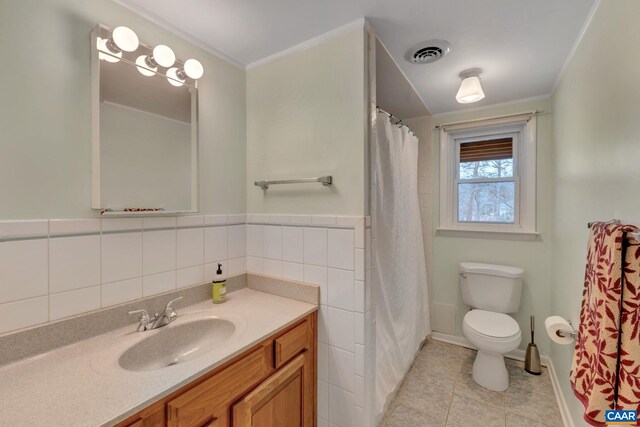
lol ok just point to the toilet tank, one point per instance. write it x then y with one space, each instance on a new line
491 287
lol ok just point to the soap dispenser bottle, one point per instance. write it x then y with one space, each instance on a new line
219 286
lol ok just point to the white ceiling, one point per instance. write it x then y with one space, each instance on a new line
521 45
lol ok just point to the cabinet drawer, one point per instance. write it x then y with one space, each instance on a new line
202 404
291 343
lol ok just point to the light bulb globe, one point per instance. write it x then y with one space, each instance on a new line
193 68
172 77
125 38
144 68
470 90
106 54
164 56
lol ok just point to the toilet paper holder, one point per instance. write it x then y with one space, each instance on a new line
565 334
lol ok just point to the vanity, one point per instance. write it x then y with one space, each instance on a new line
250 361
271 384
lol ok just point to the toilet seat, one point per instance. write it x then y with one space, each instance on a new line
492 326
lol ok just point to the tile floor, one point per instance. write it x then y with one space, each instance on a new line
439 391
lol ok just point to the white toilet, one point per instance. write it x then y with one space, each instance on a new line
491 291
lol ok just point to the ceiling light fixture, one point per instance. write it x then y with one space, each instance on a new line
470 89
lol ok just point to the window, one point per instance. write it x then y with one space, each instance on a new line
487 176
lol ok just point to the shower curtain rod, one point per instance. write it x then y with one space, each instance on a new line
399 122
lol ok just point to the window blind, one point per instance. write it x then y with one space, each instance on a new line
494 149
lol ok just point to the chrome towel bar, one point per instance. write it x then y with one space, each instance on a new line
324 180
634 235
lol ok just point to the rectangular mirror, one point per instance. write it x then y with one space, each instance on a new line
145 134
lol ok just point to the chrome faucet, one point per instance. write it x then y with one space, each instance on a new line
148 323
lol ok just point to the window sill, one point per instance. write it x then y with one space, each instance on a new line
488 234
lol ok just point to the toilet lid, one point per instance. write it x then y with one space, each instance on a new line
492 324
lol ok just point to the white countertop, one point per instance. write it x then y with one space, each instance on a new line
83 385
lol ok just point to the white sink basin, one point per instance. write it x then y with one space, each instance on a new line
176 343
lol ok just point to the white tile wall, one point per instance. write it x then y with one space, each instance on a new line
124 259
158 283
341 289
323 402
318 276
255 240
315 246
292 244
74 226
236 241
341 328
272 242
328 251
24 269
74 263
158 251
121 256
215 244
159 222
78 301
23 228
190 247
342 407
24 313
190 276
236 266
51 269
341 369
272 267
120 292
293 271
340 248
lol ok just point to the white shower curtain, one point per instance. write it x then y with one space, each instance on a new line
400 292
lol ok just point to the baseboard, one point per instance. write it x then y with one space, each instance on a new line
519 354
562 403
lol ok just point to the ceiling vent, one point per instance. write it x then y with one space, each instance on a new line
428 52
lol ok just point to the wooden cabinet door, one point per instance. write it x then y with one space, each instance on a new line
285 399
208 404
149 417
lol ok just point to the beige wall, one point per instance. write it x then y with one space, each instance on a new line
596 153
306 118
533 256
45 115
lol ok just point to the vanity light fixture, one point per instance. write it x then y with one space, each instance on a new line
122 39
104 53
192 68
162 55
173 78
470 89
144 67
